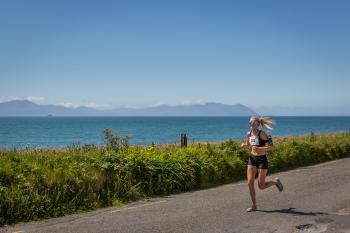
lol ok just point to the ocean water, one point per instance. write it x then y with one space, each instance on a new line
65 131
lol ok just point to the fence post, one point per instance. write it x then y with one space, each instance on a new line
183 140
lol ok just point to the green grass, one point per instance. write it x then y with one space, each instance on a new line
43 183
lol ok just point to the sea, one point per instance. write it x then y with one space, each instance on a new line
44 132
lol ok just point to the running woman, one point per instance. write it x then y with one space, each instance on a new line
257 161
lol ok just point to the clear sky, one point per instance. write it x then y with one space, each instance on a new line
140 53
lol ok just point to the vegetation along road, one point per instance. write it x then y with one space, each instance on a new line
315 199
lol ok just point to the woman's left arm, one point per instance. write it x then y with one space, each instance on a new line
266 138
267 148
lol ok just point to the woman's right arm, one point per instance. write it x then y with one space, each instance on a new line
246 143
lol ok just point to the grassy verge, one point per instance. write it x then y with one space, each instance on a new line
43 183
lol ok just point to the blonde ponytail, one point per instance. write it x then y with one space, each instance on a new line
264 122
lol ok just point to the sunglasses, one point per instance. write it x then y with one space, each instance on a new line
251 122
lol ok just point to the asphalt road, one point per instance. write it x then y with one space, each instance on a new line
315 199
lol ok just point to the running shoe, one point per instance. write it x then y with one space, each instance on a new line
251 209
279 184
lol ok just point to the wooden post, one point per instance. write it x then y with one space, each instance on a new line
183 140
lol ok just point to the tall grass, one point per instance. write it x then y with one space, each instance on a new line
42 183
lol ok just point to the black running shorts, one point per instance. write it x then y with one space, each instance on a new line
260 161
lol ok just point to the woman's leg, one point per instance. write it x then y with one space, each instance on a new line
261 180
251 170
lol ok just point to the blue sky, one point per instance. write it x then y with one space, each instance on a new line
144 53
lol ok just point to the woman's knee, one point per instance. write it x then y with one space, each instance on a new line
251 182
261 185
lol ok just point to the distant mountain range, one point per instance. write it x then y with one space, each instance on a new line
303 111
28 108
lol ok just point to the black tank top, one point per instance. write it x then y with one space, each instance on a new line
261 141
